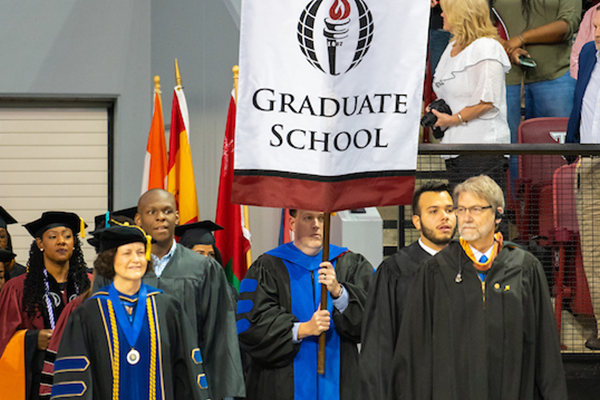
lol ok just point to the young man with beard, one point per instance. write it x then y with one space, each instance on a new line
200 285
279 318
479 322
433 216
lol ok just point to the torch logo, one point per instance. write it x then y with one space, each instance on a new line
341 35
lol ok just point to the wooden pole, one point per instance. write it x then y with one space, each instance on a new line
236 77
322 337
177 74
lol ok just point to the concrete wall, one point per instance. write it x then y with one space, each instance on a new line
204 38
112 49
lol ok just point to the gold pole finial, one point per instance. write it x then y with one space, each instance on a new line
177 74
157 84
236 77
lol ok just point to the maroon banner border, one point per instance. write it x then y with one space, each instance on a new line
304 194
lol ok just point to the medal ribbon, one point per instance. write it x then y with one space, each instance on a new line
131 331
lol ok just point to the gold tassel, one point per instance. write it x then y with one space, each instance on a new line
82 227
148 237
148 246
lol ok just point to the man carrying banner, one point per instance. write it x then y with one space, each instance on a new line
279 318
433 216
479 322
200 285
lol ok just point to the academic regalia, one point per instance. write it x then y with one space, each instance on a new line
280 289
382 318
13 319
197 233
458 341
202 233
50 356
16 269
200 285
163 362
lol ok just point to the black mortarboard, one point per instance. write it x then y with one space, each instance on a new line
6 256
6 218
51 219
197 233
119 235
103 220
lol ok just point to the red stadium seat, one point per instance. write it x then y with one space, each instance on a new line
570 283
535 173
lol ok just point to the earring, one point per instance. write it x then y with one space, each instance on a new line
42 250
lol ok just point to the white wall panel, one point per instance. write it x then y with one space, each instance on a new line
52 159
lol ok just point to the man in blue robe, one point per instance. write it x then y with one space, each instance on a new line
279 318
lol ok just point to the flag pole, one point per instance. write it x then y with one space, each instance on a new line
236 78
322 337
177 74
157 85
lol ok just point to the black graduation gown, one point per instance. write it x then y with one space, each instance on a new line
268 339
200 285
84 368
383 316
458 341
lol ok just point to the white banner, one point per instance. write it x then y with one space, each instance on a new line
330 88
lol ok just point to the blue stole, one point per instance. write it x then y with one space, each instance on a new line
306 296
133 381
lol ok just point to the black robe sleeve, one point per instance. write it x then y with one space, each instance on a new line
265 331
383 315
187 367
215 309
354 272
76 383
415 342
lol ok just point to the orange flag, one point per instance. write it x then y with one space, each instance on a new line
155 163
180 181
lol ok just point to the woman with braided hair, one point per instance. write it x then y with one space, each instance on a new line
129 340
32 303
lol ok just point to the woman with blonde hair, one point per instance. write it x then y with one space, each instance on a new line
470 79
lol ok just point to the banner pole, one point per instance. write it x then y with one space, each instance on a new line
322 337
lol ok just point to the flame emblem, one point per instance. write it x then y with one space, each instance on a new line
339 10
335 39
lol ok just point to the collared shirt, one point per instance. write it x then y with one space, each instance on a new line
427 248
161 263
479 254
589 131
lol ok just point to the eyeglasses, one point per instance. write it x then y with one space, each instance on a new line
475 210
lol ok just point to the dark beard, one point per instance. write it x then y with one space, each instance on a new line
429 235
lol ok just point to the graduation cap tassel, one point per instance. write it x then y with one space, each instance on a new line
148 247
82 227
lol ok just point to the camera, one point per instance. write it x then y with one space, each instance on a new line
429 119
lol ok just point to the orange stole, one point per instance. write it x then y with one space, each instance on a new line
12 368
